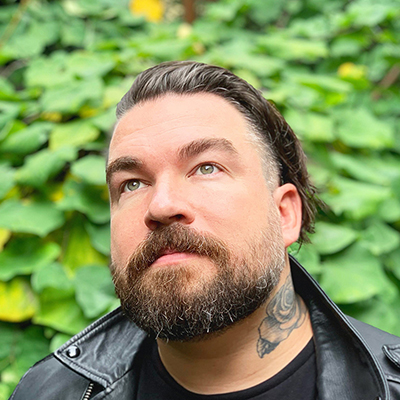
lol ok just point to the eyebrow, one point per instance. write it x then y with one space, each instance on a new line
199 146
192 149
126 163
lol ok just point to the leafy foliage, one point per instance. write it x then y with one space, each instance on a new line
331 67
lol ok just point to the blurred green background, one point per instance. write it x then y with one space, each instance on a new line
331 67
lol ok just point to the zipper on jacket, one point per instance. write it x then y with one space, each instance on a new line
88 392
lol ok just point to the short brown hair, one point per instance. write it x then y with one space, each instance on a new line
280 142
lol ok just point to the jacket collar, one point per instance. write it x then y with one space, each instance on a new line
347 369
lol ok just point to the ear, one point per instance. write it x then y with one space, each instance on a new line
288 202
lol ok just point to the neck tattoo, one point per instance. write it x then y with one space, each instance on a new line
285 312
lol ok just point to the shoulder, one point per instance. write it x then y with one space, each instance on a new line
385 347
83 363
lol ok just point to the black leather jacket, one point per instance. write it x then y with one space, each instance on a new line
354 361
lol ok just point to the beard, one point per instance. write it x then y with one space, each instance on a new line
180 303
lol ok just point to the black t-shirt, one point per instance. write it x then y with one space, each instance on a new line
297 381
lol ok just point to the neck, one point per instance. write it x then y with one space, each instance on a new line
246 354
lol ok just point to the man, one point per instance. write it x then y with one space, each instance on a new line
208 187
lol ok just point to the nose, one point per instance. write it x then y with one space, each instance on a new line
169 203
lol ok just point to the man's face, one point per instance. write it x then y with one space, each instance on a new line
182 170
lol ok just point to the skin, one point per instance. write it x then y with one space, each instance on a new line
175 187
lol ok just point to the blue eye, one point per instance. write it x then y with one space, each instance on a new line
132 185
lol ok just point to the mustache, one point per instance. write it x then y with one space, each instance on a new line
177 238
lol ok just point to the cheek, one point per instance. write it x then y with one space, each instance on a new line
126 234
236 212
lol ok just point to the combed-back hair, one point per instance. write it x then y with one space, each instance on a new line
282 149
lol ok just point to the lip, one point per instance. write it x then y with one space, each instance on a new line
172 258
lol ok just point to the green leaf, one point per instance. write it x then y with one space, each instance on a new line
17 301
94 290
91 169
8 334
392 262
73 33
380 238
355 199
26 140
38 218
307 257
72 134
381 171
7 179
369 13
353 275
389 210
26 255
28 347
91 201
330 238
99 237
378 313
58 340
49 71
63 314
287 48
9 111
358 128
41 166
78 248
51 275
322 83
70 98
258 8
311 126
86 65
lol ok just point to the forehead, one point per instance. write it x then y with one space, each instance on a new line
176 119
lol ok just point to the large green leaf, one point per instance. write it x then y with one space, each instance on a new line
31 42
63 314
17 301
359 128
49 71
368 12
99 237
91 169
293 49
25 255
40 166
58 340
38 218
382 170
86 65
355 199
78 250
9 111
392 262
353 275
307 256
51 275
330 238
7 179
378 313
26 140
380 238
91 201
70 98
94 290
72 134
26 348
311 126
